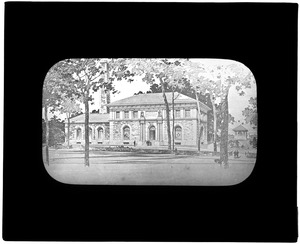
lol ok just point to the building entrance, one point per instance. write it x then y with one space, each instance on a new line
152 133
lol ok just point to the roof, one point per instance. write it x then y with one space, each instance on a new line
93 118
239 128
157 99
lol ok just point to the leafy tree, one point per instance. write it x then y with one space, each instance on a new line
152 70
89 75
196 75
138 93
188 90
216 80
56 131
223 78
51 97
69 106
250 112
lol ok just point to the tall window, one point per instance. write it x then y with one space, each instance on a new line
187 113
177 114
90 133
135 114
78 134
100 133
152 133
178 133
117 114
126 133
126 114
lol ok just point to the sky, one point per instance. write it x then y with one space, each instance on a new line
236 102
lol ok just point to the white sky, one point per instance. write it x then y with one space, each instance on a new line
236 103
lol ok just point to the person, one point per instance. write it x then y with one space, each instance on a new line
236 154
134 143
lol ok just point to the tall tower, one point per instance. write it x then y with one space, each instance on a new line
101 98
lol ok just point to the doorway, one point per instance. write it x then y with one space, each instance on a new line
152 133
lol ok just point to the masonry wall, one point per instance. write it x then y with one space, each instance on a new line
189 132
95 137
116 130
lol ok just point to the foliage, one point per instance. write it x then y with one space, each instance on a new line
56 131
165 71
250 112
216 80
69 106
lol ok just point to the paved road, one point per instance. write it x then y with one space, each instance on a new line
119 168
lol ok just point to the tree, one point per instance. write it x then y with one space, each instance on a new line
51 98
216 80
69 107
196 75
250 112
224 77
188 90
152 70
87 75
90 75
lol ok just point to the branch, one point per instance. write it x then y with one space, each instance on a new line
96 76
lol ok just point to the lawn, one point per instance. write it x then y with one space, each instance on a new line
121 168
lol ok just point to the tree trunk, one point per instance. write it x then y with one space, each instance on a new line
47 133
167 112
215 123
86 130
68 132
224 132
199 121
173 129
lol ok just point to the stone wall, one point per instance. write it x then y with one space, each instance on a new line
189 132
94 136
117 130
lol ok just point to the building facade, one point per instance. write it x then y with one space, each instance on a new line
142 120
98 129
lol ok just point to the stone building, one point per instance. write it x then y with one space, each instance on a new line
142 118
98 129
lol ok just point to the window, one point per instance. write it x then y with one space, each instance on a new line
90 133
78 134
117 114
135 114
177 114
126 114
100 133
152 133
178 133
187 113
126 133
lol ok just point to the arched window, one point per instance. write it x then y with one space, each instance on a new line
100 133
152 132
178 133
126 133
78 134
90 133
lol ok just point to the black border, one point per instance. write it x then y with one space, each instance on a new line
261 36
